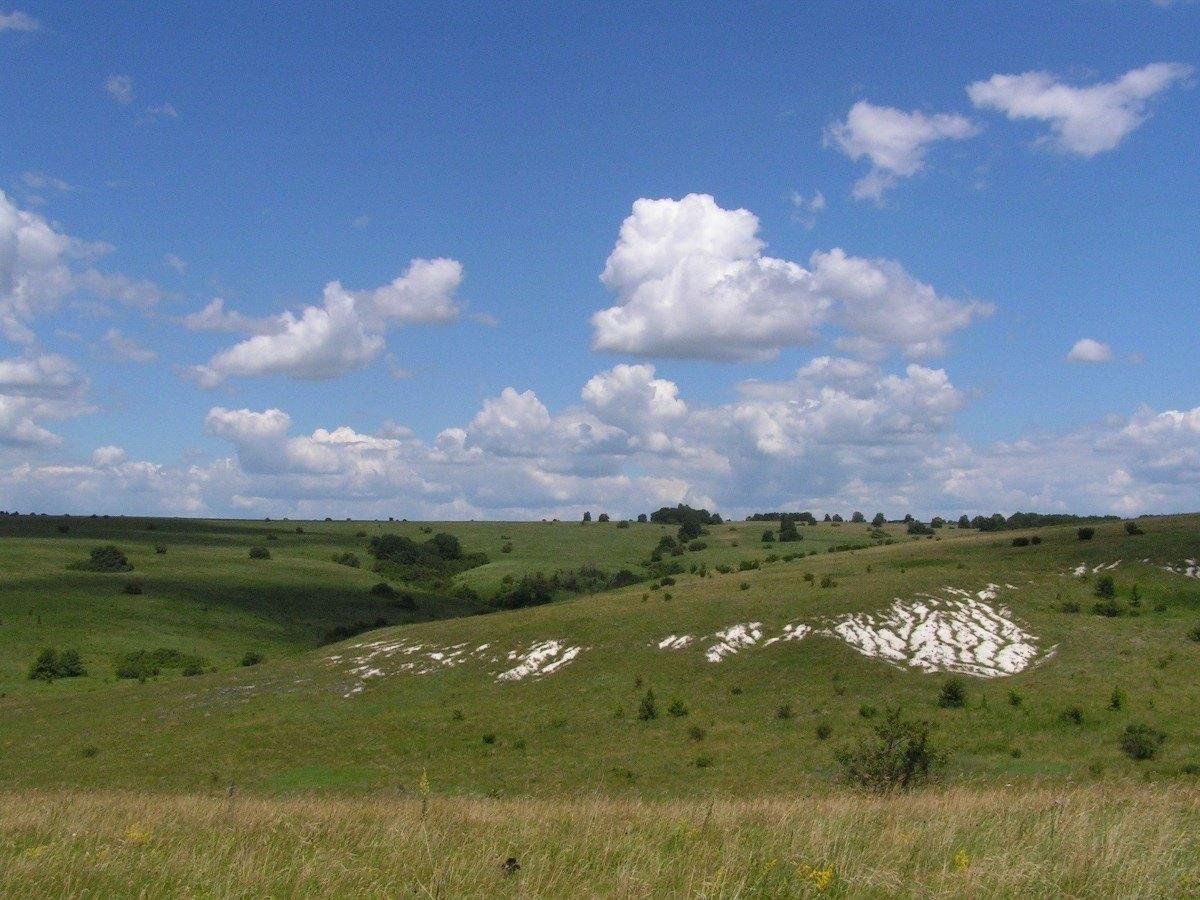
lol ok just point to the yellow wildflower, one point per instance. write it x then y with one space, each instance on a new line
962 861
821 878
135 834
36 852
424 785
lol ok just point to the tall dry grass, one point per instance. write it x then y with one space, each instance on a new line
1104 841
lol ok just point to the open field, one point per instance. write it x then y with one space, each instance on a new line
526 724
1112 840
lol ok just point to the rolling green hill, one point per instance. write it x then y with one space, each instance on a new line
546 700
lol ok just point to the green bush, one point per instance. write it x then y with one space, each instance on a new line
1086 534
49 665
1194 633
647 708
953 694
108 558
252 658
1072 715
896 755
1141 741
260 553
132 586
784 711
1106 588
823 731
144 664
1070 606
347 559
1109 608
677 709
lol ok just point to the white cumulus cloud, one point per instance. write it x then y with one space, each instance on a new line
692 282
1083 120
895 142
344 333
1087 350
18 21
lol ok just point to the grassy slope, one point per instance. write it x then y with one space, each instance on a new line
285 725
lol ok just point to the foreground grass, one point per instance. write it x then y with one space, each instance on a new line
1118 839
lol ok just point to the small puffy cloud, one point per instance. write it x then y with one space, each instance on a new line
895 142
18 21
805 209
38 268
345 333
214 317
1083 120
163 111
120 88
126 349
103 457
692 282
1087 350
631 398
35 389
880 305
34 275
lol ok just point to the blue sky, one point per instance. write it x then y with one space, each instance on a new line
923 210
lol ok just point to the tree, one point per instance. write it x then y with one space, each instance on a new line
587 516
879 521
603 517
788 531
857 518
837 517
937 522
827 518
768 536
963 521
642 518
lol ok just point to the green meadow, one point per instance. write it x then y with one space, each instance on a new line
307 733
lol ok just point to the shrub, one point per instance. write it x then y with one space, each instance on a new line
1086 534
143 664
1036 539
703 761
744 586
506 547
1194 633
260 553
784 711
109 558
953 694
50 665
624 523
1109 608
603 517
896 755
347 559
1072 715
1014 698
747 565
1070 606
647 708
696 733
489 737
677 709
823 731
1117 699
697 546
1141 741
132 586
1132 528
252 658
1106 588
160 549
1020 542
866 711
827 581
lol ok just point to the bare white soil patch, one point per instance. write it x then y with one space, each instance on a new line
1188 568
376 659
539 659
938 634
732 639
958 632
